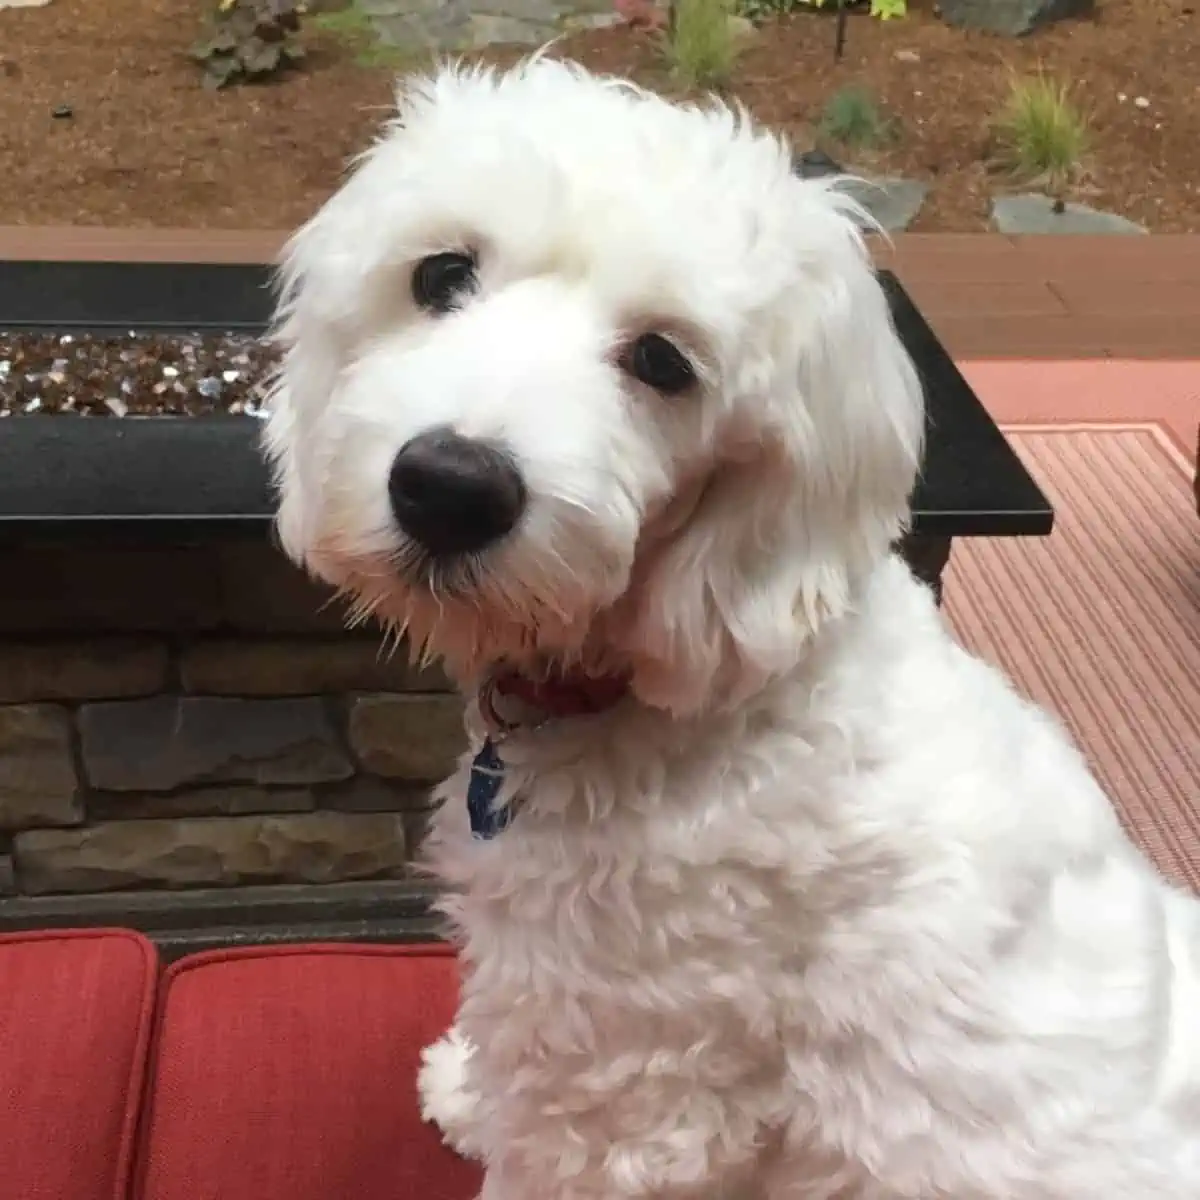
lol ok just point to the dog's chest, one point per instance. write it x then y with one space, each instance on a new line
613 860
620 890
651 901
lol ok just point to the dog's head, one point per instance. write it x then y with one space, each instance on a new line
576 376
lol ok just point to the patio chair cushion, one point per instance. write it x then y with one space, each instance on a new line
289 1074
76 1009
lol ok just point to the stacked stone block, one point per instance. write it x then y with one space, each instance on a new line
193 716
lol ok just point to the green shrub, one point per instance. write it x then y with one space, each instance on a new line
250 40
851 118
702 43
1041 136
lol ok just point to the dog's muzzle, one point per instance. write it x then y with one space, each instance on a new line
454 495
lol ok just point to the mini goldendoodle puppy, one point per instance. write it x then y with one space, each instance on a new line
764 888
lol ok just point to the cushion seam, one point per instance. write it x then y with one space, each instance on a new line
138 1073
208 958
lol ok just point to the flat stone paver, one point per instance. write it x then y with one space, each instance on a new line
893 202
1034 213
455 25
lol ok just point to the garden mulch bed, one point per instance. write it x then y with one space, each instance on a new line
147 145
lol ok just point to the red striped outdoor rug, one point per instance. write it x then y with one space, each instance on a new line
1101 621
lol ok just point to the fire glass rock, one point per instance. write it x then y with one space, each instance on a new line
133 375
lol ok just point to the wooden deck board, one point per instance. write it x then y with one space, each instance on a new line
987 295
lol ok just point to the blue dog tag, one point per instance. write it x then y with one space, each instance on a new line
487 777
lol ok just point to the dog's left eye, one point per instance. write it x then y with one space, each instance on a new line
659 364
440 281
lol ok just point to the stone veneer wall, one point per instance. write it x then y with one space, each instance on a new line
193 716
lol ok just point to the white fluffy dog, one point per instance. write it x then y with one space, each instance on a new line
764 888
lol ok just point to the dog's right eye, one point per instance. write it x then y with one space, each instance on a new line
659 364
440 281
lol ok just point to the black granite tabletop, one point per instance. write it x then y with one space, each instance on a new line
65 471
972 482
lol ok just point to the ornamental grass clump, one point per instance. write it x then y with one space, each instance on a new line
1040 134
702 43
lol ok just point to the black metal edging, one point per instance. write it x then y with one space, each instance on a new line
150 297
185 475
962 444
210 918
173 474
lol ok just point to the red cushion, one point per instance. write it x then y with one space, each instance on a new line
75 1016
290 1074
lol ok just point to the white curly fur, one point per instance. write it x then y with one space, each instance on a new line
823 910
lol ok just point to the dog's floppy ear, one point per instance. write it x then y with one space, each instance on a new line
786 533
303 382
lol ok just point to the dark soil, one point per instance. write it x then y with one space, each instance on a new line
943 87
147 145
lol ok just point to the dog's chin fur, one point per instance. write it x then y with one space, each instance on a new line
823 910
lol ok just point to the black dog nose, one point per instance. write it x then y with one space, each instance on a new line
454 495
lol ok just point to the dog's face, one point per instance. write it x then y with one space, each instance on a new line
576 376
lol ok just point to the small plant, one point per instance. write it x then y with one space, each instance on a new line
702 43
1041 136
885 10
851 118
758 10
250 40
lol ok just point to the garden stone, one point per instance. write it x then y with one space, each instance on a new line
1032 213
582 22
815 164
231 800
418 24
894 203
496 29
1012 18
165 742
77 669
315 848
296 667
37 774
473 24
525 11
413 737
369 794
